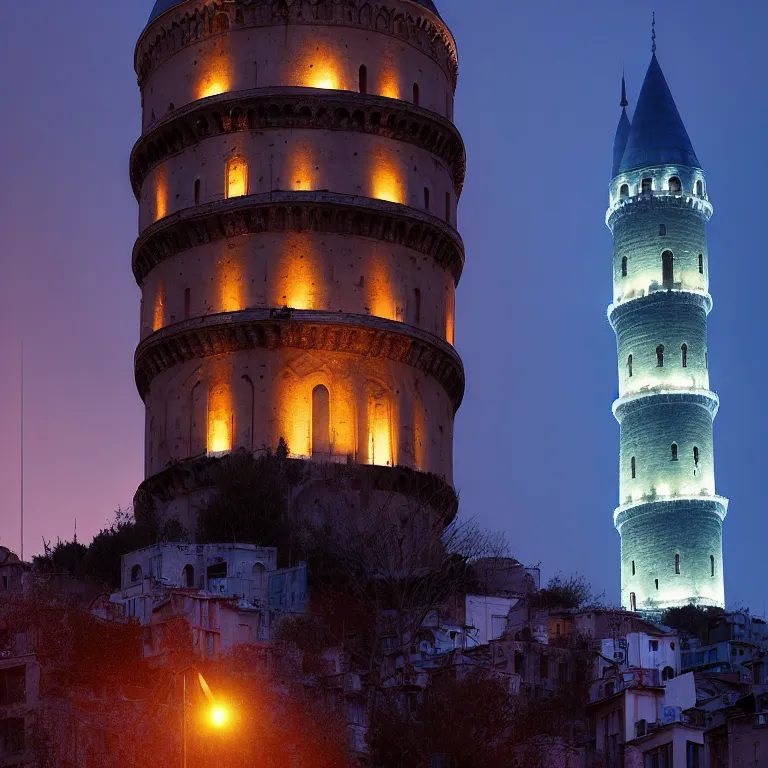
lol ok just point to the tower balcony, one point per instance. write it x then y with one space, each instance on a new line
665 495
665 393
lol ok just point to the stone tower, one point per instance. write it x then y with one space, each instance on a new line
669 516
298 176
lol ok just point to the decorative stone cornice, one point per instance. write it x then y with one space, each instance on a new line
298 212
716 506
275 108
363 335
651 398
190 23
662 296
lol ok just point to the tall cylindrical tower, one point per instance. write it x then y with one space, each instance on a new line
298 177
669 518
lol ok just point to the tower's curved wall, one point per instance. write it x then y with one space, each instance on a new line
298 178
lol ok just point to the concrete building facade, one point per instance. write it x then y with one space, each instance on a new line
298 177
669 516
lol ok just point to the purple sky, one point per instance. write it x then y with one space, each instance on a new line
536 445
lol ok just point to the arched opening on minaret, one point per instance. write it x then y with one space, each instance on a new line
695 459
624 191
674 451
417 304
667 269
426 198
656 582
700 188
634 476
624 266
675 186
416 94
677 564
684 355
629 366
660 356
646 185
197 191
363 79
633 567
237 177
712 565
632 601
321 421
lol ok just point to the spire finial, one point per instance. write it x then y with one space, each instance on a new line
653 34
624 101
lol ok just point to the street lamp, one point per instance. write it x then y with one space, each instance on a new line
218 715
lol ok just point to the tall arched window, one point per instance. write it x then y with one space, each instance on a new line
188 577
363 79
136 573
257 574
379 427
674 185
321 421
416 94
667 269
699 188
677 564
674 451
237 177
634 467
624 191
624 266
684 355
660 356
662 230
701 263
426 198
629 366
632 601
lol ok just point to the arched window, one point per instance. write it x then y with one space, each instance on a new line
633 567
426 198
675 186
629 366
624 191
684 355
646 185
237 177
257 573
701 263
624 266
667 269
197 191
220 22
677 564
321 421
632 601
363 79
136 573
674 451
188 576
660 356
379 427
667 674
700 188
417 304
711 565
695 456
634 468
662 230
416 94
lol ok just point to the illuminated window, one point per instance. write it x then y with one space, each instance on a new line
220 23
695 456
220 420
416 94
667 269
321 421
426 199
684 355
188 576
448 207
634 472
711 565
660 356
187 302
363 79
237 177
675 186
674 451
633 567
662 230
677 564
379 428
624 191
632 601
646 185
624 266
701 263
699 188
417 304
136 573
197 191
629 366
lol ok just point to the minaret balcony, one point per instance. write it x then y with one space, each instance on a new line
663 496
642 288
622 206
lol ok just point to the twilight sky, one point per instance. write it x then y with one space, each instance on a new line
536 445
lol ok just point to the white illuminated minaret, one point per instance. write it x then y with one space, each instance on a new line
669 516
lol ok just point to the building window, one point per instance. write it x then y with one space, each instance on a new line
188 577
448 207
197 191
700 188
695 456
701 263
416 94
363 79
667 269
624 266
694 755
706 361
633 463
653 645
417 304
136 573
187 302
237 177
632 601
660 356
624 191
677 564
656 581
519 661
321 421
662 230
711 565
257 573
674 451
684 355
633 567
646 185
426 198
675 186
629 366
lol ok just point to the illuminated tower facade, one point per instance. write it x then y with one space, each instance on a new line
670 518
298 176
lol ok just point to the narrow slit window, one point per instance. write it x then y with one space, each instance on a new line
187 302
426 198
667 269
197 191
656 582
633 568
448 207
417 304
255 74
701 263
632 601
634 472
660 356
662 230
695 456
416 94
629 366
624 266
363 79
677 564
674 451
684 355
711 565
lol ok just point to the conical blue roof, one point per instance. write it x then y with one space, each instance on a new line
161 6
657 135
